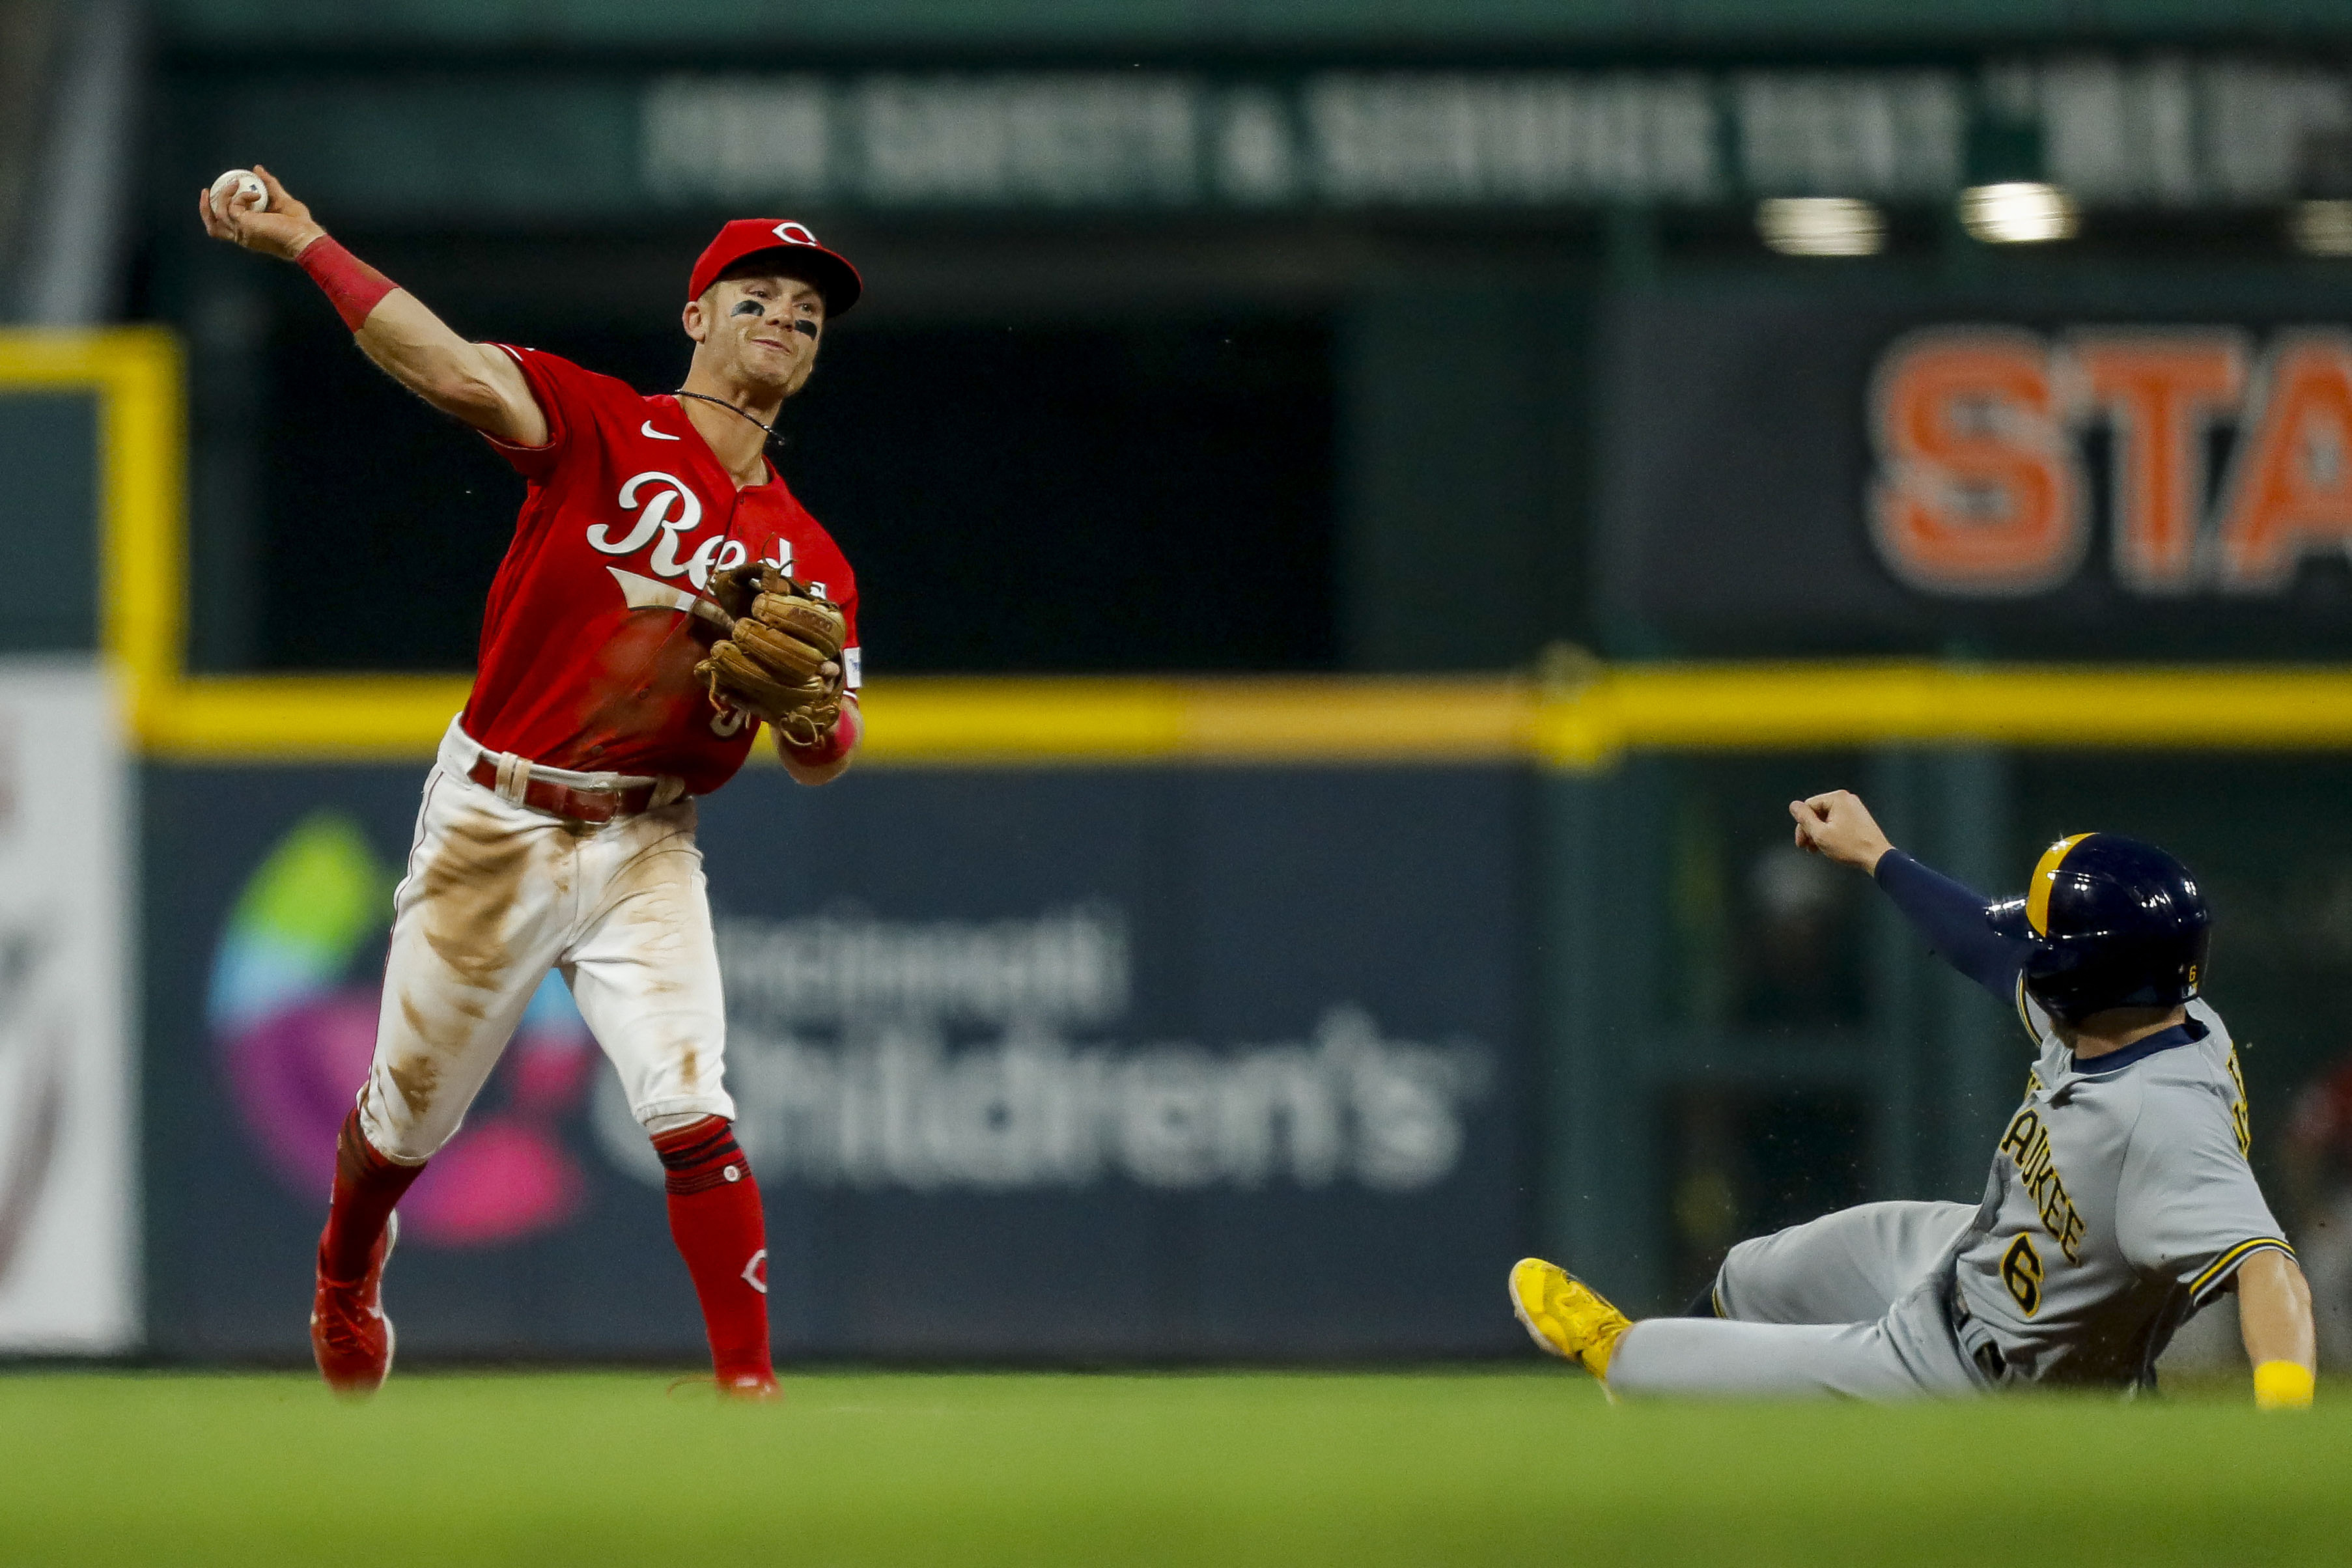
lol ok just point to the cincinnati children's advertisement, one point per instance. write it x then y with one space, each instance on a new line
1001 1057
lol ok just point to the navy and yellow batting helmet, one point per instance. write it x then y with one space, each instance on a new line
2114 922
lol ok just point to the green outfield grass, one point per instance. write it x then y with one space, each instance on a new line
1522 1467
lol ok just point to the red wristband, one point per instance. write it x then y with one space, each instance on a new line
353 286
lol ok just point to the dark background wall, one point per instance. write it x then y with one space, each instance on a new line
48 450
1049 492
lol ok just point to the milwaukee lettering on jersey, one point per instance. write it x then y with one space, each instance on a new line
2027 1144
597 616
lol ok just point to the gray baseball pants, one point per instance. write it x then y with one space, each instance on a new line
1854 1304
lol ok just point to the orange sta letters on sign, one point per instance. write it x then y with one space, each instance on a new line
2163 390
1977 493
2292 492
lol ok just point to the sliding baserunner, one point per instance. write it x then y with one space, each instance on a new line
2120 1200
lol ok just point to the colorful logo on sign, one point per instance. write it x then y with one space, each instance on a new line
292 1009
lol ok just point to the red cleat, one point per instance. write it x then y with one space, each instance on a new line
349 1335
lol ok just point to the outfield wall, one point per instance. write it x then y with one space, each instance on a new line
1136 1061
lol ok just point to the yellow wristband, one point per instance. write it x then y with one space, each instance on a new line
2282 1385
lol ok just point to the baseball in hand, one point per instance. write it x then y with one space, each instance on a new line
240 183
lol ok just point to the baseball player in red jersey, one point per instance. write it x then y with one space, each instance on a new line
558 823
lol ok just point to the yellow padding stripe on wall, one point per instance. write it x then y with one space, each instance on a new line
1834 703
944 722
294 719
1336 719
135 374
915 722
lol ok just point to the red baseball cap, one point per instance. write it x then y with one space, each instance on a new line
798 255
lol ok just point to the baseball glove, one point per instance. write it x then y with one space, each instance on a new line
771 663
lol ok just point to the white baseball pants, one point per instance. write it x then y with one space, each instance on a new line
496 894
1855 1304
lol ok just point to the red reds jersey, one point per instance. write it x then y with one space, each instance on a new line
591 633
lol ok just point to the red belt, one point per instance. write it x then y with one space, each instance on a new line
562 800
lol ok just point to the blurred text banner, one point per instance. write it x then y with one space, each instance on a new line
2180 130
2171 131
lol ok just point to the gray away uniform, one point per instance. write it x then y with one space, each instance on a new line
2120 1202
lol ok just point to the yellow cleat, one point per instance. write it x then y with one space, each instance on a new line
1565 1315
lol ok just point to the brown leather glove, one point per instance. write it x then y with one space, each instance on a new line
771 662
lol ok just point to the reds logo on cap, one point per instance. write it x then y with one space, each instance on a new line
798 255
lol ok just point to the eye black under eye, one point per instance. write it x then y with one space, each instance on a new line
749 308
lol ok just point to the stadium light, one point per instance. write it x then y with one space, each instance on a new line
2322 227
2016 212
1820 225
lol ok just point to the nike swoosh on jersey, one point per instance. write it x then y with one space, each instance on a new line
647 429
646 594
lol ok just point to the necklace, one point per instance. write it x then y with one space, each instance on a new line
722 403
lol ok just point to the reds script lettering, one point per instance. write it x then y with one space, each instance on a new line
670 511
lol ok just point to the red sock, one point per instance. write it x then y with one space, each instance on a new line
714 1217
367 1185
